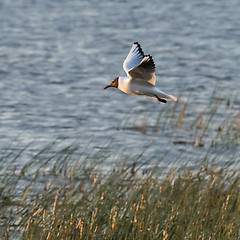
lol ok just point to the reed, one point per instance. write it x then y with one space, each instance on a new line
85 202
65 194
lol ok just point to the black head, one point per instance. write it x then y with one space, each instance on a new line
113 83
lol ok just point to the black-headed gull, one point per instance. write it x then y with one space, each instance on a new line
140 70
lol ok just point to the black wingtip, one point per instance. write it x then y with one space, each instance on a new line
148 63
151 59
139 49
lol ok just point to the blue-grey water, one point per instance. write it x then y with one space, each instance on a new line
57 56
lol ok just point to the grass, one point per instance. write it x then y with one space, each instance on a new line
64 194
85 202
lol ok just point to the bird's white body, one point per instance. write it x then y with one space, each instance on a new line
140 80
141 87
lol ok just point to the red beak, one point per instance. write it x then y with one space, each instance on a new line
107 87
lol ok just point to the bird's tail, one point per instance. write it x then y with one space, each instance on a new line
161 94
172 97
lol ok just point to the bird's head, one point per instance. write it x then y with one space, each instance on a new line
113 83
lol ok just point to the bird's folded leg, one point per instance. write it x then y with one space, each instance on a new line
160 99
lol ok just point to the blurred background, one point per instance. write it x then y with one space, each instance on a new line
57 56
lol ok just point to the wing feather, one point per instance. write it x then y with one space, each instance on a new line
134 57
144 71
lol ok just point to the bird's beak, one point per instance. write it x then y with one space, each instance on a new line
107 87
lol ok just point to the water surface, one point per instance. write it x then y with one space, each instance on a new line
56 57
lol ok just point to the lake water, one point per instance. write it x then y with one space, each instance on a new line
57 56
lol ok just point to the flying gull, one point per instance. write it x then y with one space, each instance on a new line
140 78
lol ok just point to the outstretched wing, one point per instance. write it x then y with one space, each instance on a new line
139 66
145 71
134 57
